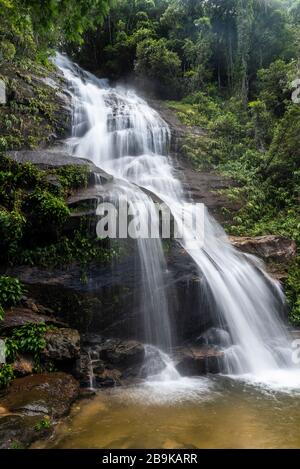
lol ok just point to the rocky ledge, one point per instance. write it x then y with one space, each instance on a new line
31 406
276 251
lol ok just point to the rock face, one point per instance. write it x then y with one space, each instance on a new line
20 316
61 344
31 400
107 303
202 187
38 103
270 247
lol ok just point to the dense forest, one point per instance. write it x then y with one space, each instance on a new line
228 66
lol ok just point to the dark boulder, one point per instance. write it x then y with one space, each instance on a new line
61 344
108 378
196 361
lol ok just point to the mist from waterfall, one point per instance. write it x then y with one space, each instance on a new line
123 135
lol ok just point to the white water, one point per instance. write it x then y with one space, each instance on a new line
120 133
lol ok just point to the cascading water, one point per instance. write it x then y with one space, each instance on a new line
120 133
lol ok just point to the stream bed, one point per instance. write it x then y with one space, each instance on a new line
209 412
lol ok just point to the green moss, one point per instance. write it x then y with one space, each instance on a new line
33 114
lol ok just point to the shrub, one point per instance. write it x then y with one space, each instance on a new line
11 291
6 375
7 50
43 424
11 232
46 209
293 291
72 176
80 249
26 339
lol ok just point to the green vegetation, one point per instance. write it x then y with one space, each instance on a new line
81 249
43 424
11 291
32 220
6 375
26 339
28 28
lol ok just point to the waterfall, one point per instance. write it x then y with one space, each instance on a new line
122 134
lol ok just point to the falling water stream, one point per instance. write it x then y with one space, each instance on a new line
124 136
255 404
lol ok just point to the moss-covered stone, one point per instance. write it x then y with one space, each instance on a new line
37 111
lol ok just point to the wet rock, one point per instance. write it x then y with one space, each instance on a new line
61 344
215 336
83 371
100 357
196 361
270 247
104 303
127 356
23 365
19 431
55 158
107 303
44 394
86 393
108 378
